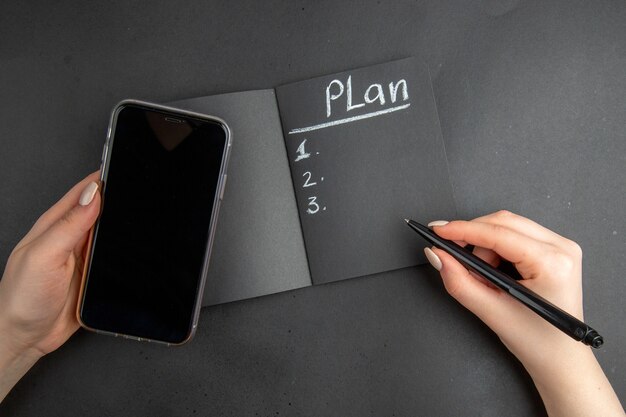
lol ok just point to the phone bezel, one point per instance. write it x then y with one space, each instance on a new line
104 169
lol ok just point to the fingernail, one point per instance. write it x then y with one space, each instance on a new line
433 259
438 223
88 194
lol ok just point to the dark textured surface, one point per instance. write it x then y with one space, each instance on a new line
531 103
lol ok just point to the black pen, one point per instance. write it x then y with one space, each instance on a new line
567 323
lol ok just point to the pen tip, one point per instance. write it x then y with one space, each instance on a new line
406 220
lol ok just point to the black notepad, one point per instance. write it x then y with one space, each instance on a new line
322 174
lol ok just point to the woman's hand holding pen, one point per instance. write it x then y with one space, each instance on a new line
566 373
549 264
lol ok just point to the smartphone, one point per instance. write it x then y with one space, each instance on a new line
163 174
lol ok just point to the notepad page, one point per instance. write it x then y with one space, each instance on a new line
258 247
365 152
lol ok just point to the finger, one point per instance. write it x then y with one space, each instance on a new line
54 213
521 225
80 245
487 255
80 248
509 244
66 323
477 297
61 238
69 310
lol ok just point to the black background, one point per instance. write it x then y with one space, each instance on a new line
530 97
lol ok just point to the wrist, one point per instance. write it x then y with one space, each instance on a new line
15 360
564 363
9 340
571 383
11 358
11 354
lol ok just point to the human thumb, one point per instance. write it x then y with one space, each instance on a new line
63 236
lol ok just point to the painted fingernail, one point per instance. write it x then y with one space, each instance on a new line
433 259
88 194
438 223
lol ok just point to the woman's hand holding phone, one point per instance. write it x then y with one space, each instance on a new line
39 288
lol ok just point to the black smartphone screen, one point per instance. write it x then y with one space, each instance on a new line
150 242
